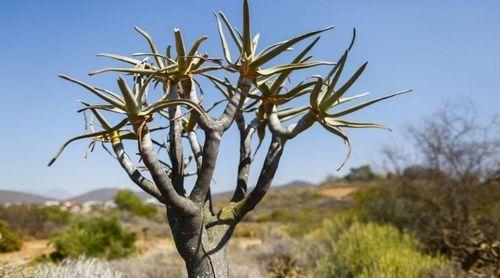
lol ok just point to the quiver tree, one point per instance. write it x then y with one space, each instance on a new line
258 103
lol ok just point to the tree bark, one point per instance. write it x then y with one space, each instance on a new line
204 249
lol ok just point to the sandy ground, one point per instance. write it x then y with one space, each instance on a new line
33 248
30 250
337 193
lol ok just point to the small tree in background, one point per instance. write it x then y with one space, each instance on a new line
362 173
260 102
447 192
128 201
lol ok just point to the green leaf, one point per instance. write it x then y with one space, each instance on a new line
168 54
104 123
225 47
347 99
264 79
255 42
353 39
219 84
143 87
289 113
194 49
298 90
232 31
121 58
349 124
133 70
265 90
108 108
109 93
365 104
271 47
150 54
156 107
313 101
282 68
95 91
342 90
251 105
130 100
151 45
337 70
284 46
181 50
89 135
337 131
247 36
284 75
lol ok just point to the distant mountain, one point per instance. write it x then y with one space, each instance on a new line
292 184
104 194
295 184
7 196
107 194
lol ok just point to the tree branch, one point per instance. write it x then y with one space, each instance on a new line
266 177
134 174
246 133
210 152
160 177
213 135
235 103
176 151
195 148
289 132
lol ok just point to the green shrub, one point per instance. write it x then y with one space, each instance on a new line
127 200
9 241
363 173
462 226
35 221
94 237
371 250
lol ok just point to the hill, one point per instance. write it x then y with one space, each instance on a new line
107 194
104 194
7 196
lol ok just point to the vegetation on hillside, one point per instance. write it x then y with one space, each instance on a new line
31 221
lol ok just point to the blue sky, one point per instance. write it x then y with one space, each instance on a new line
441 49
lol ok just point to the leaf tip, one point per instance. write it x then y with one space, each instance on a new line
51 162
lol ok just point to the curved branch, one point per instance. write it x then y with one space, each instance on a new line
175 150
213 135
134 174
235 103
265 179
246 134
289 132
205 174
160 177
195 148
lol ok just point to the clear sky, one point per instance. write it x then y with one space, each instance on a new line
441 49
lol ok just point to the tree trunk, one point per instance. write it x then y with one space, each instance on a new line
204 250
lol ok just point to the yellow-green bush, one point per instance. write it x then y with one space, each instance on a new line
372 250
94 237
9 241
